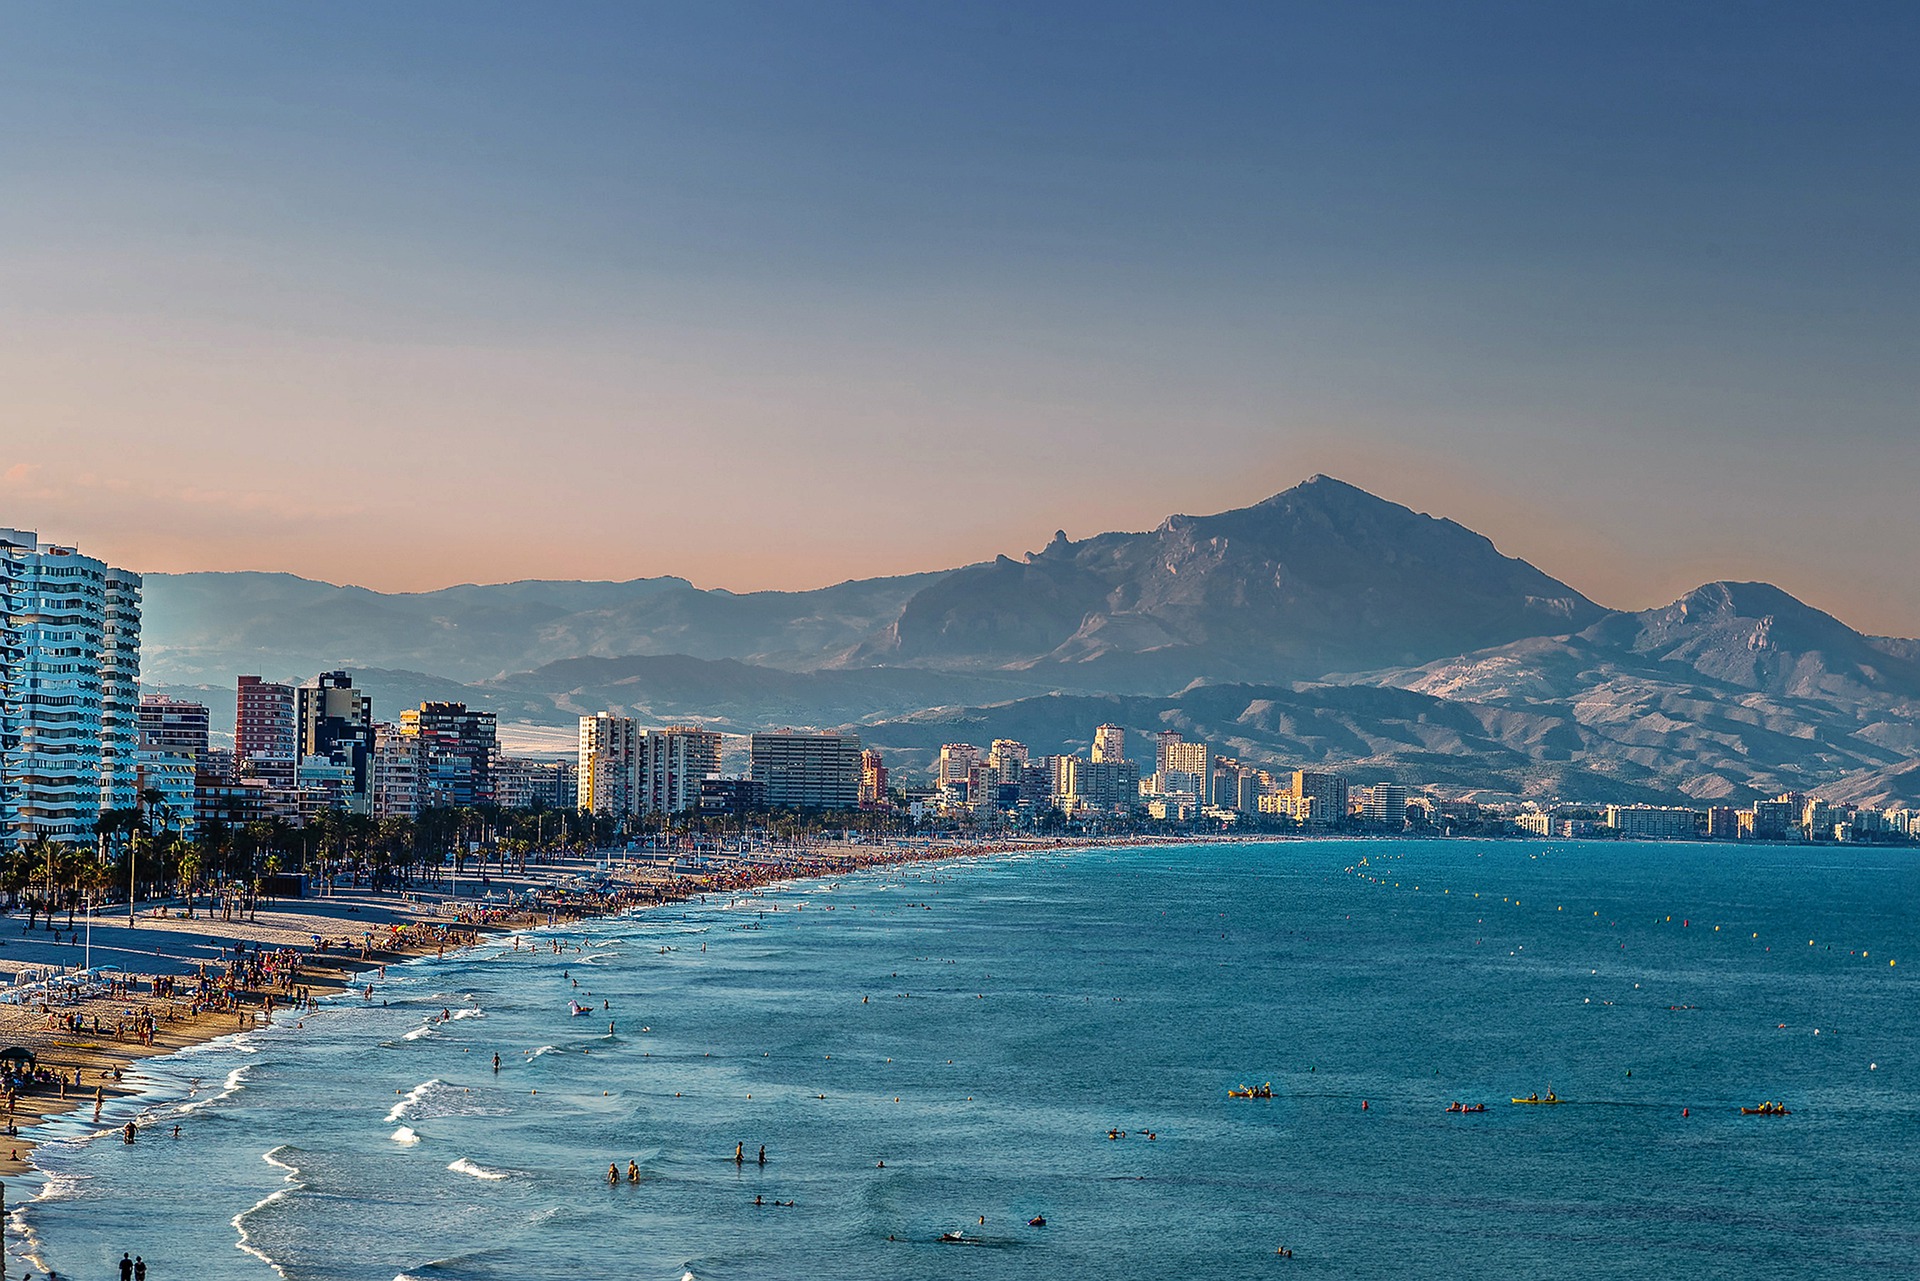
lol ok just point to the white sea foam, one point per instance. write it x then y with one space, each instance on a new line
411 1099
545 1049
239 1221
474 1013
405 1135
235 1082
464 1166
425 1029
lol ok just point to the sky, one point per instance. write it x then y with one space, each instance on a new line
776 295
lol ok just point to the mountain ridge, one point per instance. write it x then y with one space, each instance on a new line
1731 690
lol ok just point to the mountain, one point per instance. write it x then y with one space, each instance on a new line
211 627
1321 578
1735 690
1324 577
1321 626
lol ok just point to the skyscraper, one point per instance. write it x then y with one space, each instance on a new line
266 741
174 725
807 771
873 779
609 764
119 690
457 749
1109 744
334 724
677 760
54 648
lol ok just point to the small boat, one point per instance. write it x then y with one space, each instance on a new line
576 1009
1534 1100
1464 1108
1767 1109
1252 1092
952 1238
1037 1221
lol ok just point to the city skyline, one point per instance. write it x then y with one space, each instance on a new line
1629 289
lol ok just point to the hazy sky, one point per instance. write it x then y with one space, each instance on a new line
776 295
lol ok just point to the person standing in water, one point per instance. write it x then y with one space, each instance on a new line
763 1154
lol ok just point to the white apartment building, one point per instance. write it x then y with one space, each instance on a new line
58 760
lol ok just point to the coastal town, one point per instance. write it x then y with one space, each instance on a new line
106 792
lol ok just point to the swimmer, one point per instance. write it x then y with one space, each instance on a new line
613 1173
740 1154
763 1154
496 1062
633 1172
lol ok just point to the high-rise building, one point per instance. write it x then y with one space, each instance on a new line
956 763
1652 822
1323 796
677 760
174 725
1105 787
609 764
1006 758
396 772
457 747
334 724
807 771
514 782
58 757
1109 744
119 691
1385 803
873 779
554 784
266 742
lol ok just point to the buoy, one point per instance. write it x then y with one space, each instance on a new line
1686 1111
1363 1105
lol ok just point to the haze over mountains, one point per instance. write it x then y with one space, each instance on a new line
1322 626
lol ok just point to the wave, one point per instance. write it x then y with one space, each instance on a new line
411 1100
425 1029
405 1135
545 1049
474 1013
464 1166
235 1082
239 1221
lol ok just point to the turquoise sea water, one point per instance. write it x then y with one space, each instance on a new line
1018 1009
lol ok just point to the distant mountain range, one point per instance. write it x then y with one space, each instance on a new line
1322 626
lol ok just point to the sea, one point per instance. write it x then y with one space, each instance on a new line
939 1057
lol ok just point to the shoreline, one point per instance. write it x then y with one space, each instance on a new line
107 1060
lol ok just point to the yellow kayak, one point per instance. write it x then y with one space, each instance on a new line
1540 1102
